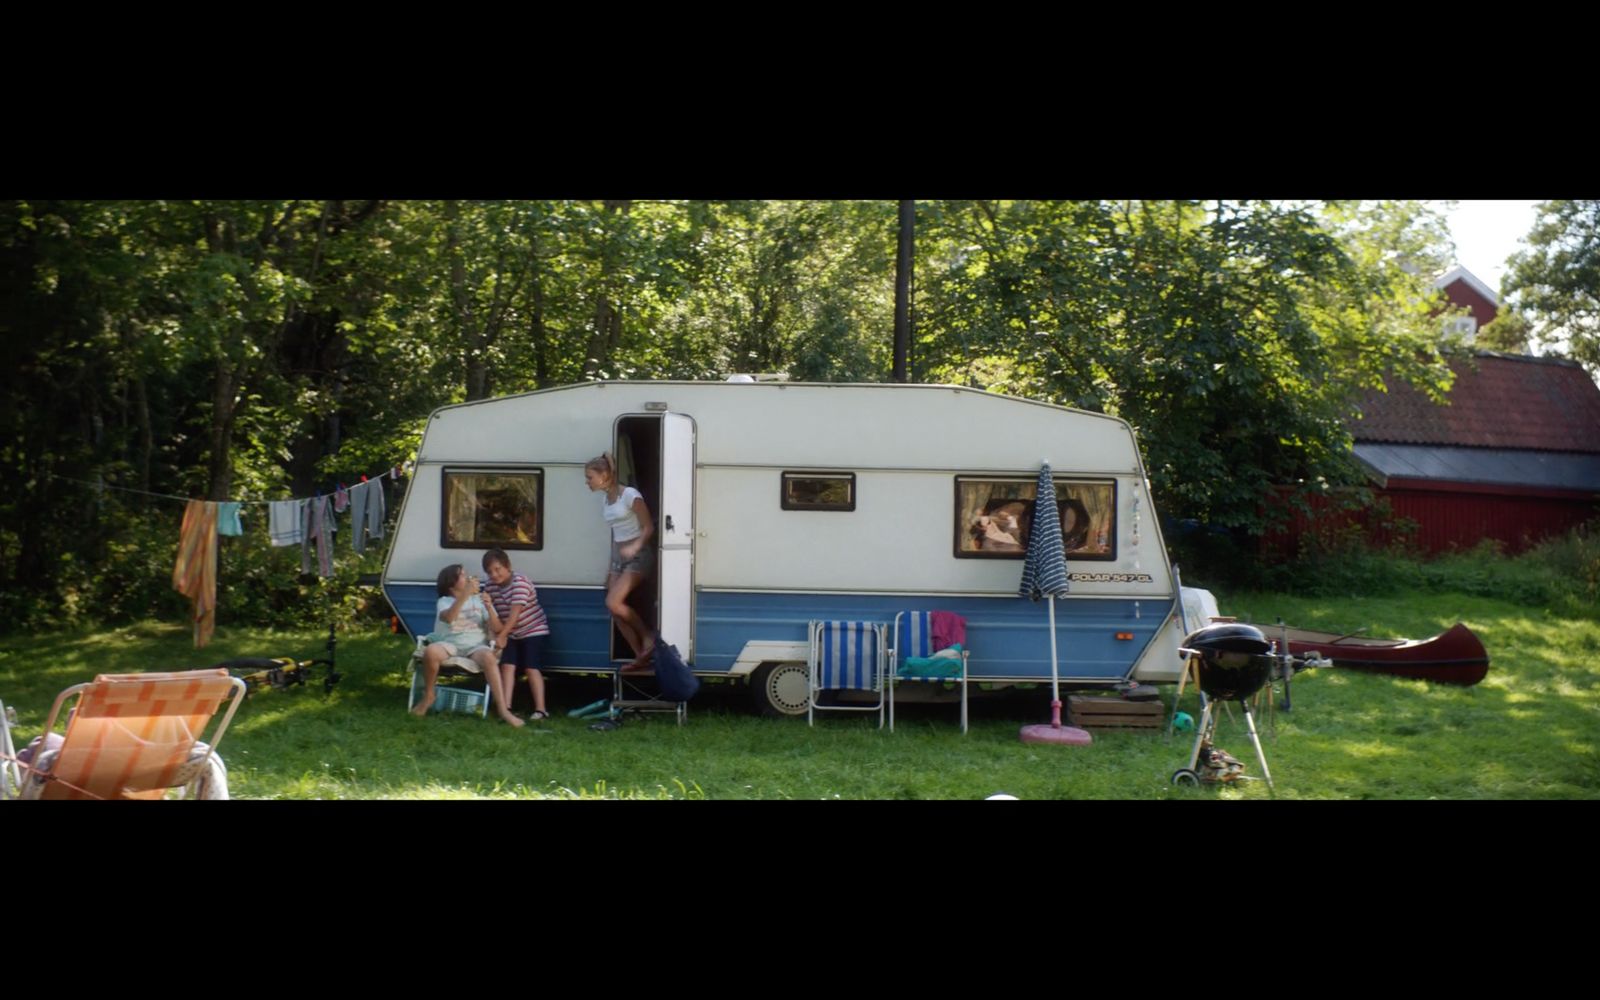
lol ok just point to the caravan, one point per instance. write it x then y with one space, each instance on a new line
781 503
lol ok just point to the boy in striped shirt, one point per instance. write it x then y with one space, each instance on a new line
524 629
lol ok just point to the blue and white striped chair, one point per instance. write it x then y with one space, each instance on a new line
913 636
846 656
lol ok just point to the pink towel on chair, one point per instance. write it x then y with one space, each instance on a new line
948 629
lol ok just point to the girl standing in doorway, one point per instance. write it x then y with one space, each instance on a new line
631 556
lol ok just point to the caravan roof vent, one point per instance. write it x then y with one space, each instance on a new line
758 377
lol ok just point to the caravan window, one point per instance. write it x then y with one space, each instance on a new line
994 515
819 491
498 508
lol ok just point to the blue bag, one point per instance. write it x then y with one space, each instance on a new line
677 681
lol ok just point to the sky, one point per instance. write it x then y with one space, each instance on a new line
1487 232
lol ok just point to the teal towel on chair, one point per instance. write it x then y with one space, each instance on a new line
946 665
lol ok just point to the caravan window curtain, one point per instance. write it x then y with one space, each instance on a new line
493 508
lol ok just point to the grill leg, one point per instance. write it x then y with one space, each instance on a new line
1255 739
1202 734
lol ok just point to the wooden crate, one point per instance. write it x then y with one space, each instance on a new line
1099 712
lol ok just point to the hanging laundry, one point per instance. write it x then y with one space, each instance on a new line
366 513
195 575
341 499
228 519
319 532
286 521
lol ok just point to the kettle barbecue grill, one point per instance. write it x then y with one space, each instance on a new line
1233 661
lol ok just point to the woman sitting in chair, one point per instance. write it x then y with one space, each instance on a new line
462 628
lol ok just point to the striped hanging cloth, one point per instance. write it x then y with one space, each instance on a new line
195 575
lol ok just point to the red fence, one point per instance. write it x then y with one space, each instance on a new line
1432 519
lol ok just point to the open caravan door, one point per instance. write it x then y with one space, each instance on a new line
676 566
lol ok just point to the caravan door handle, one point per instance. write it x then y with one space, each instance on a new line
669 522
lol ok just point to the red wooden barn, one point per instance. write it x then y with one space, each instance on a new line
1514 456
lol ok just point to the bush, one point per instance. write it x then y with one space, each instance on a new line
1562 573
258 586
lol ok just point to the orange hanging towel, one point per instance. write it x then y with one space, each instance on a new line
195 576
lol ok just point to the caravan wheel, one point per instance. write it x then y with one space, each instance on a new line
780 689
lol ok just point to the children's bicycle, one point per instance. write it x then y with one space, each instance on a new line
282 672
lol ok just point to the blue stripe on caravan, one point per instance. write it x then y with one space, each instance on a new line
1008 636
580 626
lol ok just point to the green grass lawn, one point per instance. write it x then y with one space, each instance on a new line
1530 730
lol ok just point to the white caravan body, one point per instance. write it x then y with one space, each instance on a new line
779 503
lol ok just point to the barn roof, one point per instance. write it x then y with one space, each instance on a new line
1498 401
1530 470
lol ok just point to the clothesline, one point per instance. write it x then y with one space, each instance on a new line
391 472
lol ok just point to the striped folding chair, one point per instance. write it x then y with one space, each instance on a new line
846 656
913 637
134 736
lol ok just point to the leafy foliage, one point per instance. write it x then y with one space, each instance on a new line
1558 278
263 349
1233 337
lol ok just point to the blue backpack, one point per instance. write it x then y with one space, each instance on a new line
677 681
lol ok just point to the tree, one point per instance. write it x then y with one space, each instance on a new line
1557 279
1510 331
1234 337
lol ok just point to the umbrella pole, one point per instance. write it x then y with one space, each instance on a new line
1055 673
1055 732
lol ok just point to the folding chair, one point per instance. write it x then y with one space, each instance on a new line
10 771
845 656
913 637
134 736
447 697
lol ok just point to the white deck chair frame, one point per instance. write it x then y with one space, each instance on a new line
897 656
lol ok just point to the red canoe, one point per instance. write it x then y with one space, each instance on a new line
1455 656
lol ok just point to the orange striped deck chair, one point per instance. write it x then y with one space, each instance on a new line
134 736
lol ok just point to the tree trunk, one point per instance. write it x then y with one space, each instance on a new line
537 334
607 334
223 409
902 291
477 364
147 438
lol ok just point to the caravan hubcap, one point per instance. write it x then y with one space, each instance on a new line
787 689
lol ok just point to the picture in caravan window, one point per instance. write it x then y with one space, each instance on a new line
995 514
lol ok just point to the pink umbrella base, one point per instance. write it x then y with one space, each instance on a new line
1070 736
